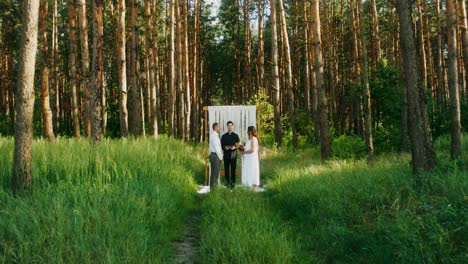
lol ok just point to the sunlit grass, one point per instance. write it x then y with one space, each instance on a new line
343 211
126 200
120 201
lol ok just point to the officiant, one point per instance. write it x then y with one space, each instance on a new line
228 142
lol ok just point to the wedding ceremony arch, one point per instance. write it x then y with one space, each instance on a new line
242 116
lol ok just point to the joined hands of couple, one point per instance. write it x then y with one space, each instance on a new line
238 146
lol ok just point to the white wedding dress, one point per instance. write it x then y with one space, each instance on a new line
250 165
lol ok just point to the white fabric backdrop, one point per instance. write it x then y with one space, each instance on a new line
242 116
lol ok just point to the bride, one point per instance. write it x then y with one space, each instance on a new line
250 160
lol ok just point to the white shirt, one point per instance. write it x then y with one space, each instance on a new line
215 145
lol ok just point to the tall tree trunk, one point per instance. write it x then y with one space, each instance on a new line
83 24
423 152
97 70
22 173
237 57
307 58
122 68
54 67
261 52
135 120
73 54
430 57
149 46
275 75
322 99
46 112
155 117
367 93
247 77
440 59
196 61
356 67
289 77
455 146
156 104
422 44
180 69
171 88
464 32
186 70
376 50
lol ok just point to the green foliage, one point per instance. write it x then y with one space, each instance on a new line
266 115
119 201
386 139
386 94
348 147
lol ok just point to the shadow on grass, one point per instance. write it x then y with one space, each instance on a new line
351 212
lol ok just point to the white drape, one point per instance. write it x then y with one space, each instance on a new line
242 116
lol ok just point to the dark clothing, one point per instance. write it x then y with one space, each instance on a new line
230 171
215 167
230 157
229 140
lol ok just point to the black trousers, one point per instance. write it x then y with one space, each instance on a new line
230 171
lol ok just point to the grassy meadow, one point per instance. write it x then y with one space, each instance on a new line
341 211
128 200
120 201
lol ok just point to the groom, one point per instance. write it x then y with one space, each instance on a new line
228 142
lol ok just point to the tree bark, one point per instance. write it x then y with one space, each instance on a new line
22 173
180 68
322 99
97 70
247 77
172 77
440 59
46 112
149 46
289 77
422 48
122 68
54 66
135 120
83 25
423 152
455 146
275 75
261 52
376 50
155 110
186 71
430 57
196 70
73 54
464 32
306 81
367 94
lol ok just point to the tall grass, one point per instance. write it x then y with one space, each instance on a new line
239 227
342 211
120 201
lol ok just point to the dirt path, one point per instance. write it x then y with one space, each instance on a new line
187 247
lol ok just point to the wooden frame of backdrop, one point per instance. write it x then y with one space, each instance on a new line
207 138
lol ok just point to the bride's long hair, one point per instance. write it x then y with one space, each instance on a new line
252 131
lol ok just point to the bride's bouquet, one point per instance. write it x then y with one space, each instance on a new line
240 146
